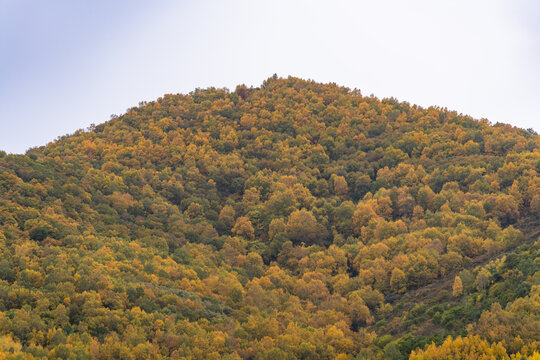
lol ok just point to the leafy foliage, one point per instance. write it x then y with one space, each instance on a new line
294 220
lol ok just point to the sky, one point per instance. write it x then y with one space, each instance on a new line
67 64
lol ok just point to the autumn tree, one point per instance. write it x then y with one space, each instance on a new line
227 216
398 280
302 227
470 347
243 227
457 287
362 215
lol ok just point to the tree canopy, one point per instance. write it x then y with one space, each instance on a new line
292 220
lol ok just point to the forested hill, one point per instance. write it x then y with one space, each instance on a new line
297 220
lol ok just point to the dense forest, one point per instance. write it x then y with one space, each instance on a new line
296 220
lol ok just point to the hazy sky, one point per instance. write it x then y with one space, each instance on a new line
66 64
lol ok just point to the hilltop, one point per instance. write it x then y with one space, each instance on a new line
292 220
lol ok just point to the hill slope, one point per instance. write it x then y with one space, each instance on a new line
294 220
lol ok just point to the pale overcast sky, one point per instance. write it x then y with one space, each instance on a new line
66 64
